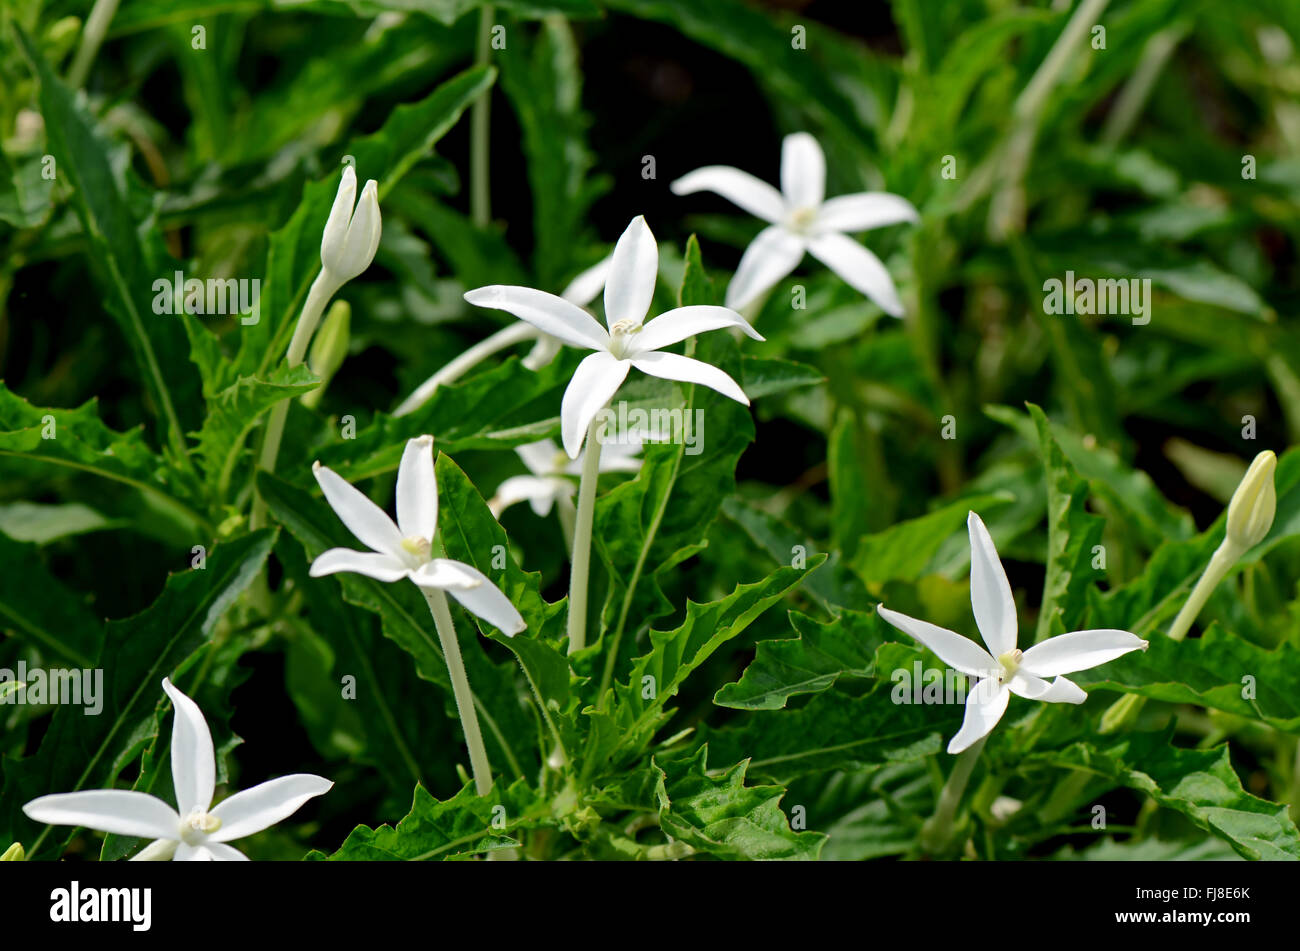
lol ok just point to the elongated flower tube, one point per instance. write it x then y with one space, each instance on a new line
582 290
403 550
195 830
348 245
1250 516
1004 669
802 220
630 341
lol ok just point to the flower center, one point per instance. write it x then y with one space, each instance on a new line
620 335
1010 662
801 219
560 462
417 546
197 826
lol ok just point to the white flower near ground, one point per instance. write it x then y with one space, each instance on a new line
631 340
404 549
550 470
196 830
1004 669
802 220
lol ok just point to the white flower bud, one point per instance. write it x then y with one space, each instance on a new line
351 236
1250 513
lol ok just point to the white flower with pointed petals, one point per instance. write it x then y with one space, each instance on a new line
1003 669
549 471
351 235
800 219
630 341
403 549
582 290
198 831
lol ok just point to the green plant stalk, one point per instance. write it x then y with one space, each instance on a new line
568 516
1123 710
936 833
581 563
92 36
479 766
459 366
480 196
322 289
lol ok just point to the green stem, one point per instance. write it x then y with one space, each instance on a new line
322 289
478 760
568 516
480 129
91 38
581 565
503 338
936 833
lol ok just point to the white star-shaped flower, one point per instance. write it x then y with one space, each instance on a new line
582 290
198 831
403 549
1003 669
801 219
550 470
630 341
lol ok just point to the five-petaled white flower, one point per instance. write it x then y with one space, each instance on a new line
404 549
800 220
1003 669
631 341
550 469
198 831
582 290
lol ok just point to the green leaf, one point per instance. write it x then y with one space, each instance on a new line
86 752
724 817
36 608
767 376
118 255
904 551
466 824
1200 784
809 663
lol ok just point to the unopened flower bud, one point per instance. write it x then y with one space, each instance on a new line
1250 513
14 853
351 235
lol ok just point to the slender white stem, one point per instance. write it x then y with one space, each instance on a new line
581 566
568 516
458 367
478 760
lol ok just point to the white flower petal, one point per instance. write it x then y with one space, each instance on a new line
445 574
740 188
858 268
372 564
488 602
336 225
417 490
1032 687
544 351
773 254
586 287
803 171
120 811
633 268
593 385
990 592
1079 650
264 805
618 456
194 764
225 853
362 239
672 366
540 492
985 704
193 853
539 457
950 647
159 850
550 314
363 518
863 211
675 325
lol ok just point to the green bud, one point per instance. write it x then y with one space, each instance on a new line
1253 505
14 853
328 348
